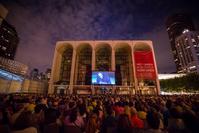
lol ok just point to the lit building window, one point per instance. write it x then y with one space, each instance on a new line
122 61
66 65
192 67
4 48
193 40
84 66
185 31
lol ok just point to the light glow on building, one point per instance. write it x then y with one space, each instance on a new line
133 62
169 76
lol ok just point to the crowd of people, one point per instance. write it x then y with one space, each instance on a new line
99 114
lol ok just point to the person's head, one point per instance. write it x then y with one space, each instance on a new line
73 115
44 101
127 110
24 120
55 104
175 112
109 110
39 108
153 120
71 104
133 111
124 122
92 124
191 120
82 109
50 116
169 104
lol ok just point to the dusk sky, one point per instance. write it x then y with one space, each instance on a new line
41 23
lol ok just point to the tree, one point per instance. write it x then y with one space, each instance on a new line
189 82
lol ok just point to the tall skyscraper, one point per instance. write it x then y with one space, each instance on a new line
176 24
8 36
8 40
187 46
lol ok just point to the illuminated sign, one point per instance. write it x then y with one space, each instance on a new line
144 65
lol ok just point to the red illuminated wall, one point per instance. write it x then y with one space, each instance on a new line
144 65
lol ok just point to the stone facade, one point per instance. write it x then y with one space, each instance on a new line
131 86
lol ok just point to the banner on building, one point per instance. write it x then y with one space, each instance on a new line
144 65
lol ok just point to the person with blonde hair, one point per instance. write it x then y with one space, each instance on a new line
127 110
92 124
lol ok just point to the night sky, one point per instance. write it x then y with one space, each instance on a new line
40 23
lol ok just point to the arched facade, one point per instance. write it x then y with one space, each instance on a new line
83 69
123 64
74 62
66 65
103 57
146 73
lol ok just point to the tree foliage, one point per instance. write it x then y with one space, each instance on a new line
189 82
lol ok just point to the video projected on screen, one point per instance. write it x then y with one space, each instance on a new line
103 78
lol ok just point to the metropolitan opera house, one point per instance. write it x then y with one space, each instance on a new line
104 67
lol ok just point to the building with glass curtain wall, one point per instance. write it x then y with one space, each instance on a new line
187 46
175 25
133 63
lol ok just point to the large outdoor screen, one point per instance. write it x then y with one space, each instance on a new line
103 78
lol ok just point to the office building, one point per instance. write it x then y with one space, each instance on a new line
187 46
176 24
12 74
8 40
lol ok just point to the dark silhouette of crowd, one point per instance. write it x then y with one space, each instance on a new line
25 113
